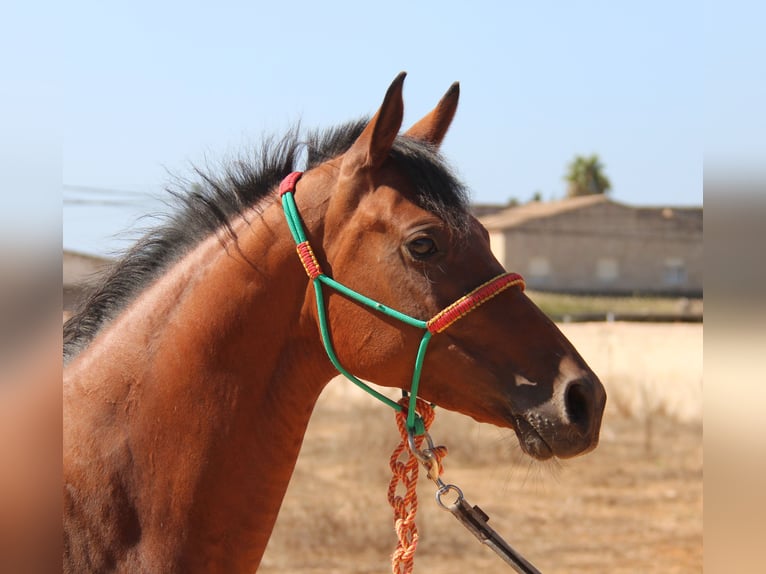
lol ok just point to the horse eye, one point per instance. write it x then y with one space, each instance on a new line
422 247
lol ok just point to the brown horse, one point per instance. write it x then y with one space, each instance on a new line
191 373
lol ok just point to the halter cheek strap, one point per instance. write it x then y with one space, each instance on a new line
437 324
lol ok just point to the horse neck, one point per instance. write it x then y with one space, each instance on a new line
193 404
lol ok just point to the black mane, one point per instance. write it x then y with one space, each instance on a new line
210 204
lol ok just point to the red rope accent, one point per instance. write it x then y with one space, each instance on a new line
309 260
288 183
478 296
406 507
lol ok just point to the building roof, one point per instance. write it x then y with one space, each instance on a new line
535 210
519 214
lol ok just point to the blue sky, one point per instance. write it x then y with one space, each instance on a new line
154 86
149 88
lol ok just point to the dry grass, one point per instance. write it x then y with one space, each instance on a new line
622 509
559 305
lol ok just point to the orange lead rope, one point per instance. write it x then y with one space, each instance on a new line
406 473
448 496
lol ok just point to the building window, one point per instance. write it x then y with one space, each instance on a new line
539 267
607 269
675 272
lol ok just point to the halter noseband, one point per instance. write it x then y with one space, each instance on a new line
436 324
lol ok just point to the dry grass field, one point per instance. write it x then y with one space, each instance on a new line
633 505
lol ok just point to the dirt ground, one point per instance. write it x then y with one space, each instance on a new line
633 505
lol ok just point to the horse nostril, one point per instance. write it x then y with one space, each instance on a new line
576 403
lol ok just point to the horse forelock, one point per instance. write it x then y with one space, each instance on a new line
209 202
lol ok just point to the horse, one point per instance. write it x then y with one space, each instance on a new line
191 372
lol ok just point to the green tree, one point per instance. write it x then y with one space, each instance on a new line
585 176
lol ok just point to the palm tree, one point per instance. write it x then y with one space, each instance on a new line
585 176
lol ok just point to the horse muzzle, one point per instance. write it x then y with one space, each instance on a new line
566 425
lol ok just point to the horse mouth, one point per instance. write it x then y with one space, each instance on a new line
531 441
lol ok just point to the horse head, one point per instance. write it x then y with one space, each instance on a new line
395 227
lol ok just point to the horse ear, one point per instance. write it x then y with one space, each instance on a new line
433 127
371 148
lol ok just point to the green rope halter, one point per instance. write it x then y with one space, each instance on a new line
435 325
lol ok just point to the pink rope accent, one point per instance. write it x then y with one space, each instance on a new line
288 183
478 296
309 260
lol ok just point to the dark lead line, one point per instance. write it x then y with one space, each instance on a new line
475 520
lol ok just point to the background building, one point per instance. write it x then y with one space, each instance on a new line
594 245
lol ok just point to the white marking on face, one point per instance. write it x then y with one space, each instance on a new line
521 381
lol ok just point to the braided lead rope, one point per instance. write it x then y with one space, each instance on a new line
405 472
